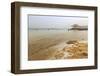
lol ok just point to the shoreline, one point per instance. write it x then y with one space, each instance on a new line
61 51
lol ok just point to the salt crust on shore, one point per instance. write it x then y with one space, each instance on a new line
71 50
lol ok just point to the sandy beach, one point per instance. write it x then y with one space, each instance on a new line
51 45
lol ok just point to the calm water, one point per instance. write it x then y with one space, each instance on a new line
57 34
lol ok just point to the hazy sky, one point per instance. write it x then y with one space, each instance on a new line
36 21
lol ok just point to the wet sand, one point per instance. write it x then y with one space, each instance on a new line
48 45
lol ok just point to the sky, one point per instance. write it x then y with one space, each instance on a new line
40 21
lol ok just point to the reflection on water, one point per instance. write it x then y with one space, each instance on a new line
41 40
